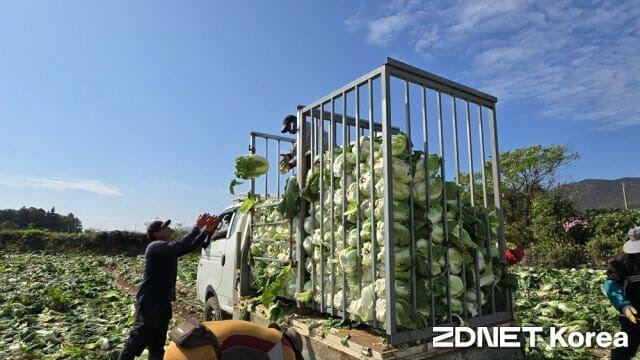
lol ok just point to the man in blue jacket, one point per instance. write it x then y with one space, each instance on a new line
623 290
158 288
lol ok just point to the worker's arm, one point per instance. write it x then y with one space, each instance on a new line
199 241
613 286
615 294
189 242
179 247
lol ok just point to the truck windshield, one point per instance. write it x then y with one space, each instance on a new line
226 225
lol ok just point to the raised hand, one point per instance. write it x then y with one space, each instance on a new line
211 223
202 220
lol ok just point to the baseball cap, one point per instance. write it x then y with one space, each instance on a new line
289 124
155 226
632 246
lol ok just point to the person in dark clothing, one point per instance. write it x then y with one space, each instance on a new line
158 288
623 290
289 161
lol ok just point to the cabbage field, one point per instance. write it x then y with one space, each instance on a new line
75 306
81 306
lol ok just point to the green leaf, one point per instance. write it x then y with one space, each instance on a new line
112 295
248 204
251 166
234 182
304 297
288 207
276 287
311 191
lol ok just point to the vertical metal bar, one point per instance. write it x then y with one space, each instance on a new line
472 180
266 176
495 167
472 184
412 248
252 150
332 145
372 199
300 232
485 199
358 224
312 150
277 168
320 119
495 154
252 188
389 255
456 150
345 142
425 137
445 224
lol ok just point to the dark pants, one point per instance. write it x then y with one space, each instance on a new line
633 333
149 331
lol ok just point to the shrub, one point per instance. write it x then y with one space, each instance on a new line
549 213
601 249
111 242
615 223
578 230
558 254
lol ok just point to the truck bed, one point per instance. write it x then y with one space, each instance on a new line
362 343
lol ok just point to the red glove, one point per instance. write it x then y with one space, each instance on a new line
202 220
211 223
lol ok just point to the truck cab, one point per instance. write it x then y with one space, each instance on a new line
217 276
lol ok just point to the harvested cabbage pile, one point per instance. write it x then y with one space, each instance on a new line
340 274
273 240
336 249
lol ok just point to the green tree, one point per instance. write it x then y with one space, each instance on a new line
526 173
535 168
34 218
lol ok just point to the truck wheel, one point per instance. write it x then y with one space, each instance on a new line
212 311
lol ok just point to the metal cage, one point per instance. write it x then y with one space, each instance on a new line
390 109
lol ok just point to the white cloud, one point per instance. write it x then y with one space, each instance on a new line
475 13
383 30
94 186
580 60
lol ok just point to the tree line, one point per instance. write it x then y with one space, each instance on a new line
540 216
34 218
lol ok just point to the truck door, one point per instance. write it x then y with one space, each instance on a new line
215 259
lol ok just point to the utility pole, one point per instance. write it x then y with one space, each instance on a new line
624 195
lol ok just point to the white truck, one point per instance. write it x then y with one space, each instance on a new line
378 222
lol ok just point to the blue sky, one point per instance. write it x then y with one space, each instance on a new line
121 112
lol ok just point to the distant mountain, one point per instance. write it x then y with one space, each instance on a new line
603 194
